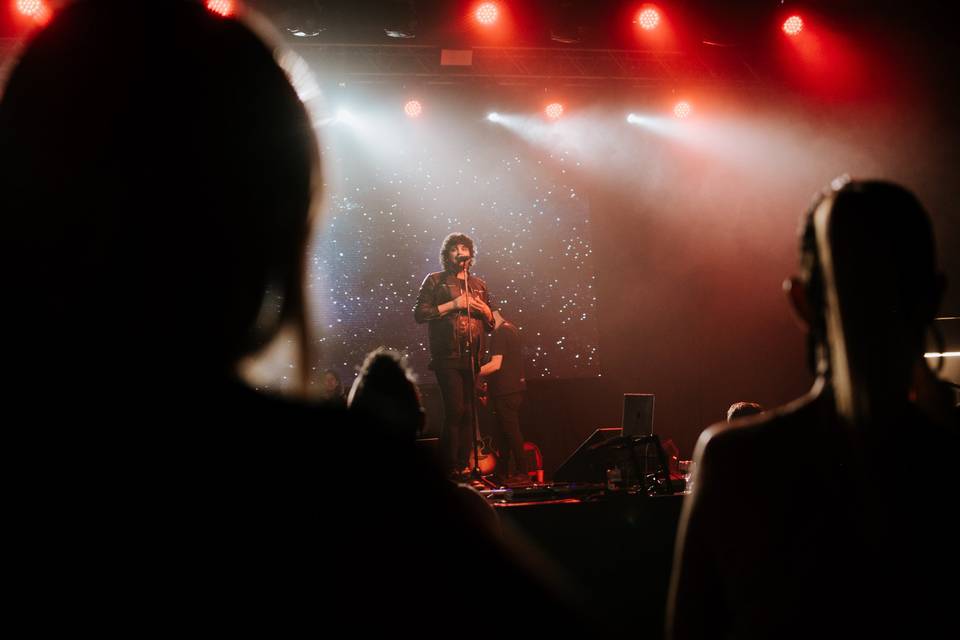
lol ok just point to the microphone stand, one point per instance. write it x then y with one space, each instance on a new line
474 417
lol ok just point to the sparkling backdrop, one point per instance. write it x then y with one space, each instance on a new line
388 212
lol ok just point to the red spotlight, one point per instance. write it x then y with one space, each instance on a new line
554 110
648 18
223 8
29 8
413 108
682 109
486 14
793 25
36 9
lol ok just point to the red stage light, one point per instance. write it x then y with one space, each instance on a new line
223 8
36 9
29 8
554 110
413 108
682 109
487 13
648 18
793 25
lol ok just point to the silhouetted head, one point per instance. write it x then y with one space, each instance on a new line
870 285
742 410
386 395
159 170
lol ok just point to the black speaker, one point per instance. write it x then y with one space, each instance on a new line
581 465
637 414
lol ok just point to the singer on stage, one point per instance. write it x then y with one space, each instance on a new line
456 307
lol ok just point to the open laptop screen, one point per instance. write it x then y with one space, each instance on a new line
637 414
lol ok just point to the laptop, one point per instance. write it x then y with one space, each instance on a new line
637 414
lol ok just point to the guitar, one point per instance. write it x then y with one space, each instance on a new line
488 459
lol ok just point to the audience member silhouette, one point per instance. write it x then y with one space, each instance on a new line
159 172
385 393
742 410
848 531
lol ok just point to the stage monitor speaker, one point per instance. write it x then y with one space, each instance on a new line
637 414
580 466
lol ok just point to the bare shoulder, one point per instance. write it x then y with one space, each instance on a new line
779 433
736 452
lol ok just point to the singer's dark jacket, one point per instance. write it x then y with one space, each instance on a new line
448 334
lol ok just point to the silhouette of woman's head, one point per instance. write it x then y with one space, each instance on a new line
160 172
868 262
